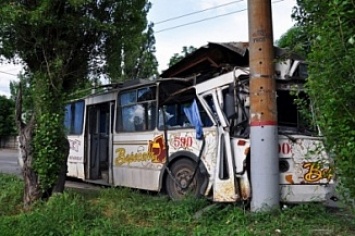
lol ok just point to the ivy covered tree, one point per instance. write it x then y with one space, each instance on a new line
330 26
61 44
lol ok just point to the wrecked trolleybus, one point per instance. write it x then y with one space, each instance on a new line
189 137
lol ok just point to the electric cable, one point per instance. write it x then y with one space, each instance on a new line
206 19
198 21
196 12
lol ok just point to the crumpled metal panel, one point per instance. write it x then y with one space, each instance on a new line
308 161
225 192
244 187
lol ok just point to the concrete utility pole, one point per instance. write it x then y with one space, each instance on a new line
263 109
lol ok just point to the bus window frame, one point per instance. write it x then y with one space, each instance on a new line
144 103
69 130
179 108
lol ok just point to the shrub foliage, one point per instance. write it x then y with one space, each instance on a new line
329 26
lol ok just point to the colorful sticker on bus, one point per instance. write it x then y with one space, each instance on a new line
155 154
157 148
317 171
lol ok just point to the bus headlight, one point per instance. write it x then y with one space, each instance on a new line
284 166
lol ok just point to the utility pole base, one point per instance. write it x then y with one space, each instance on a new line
264 173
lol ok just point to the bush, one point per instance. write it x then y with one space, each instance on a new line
331 83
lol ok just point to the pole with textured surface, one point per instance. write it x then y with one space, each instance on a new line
263 109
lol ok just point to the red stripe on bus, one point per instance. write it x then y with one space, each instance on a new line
262 123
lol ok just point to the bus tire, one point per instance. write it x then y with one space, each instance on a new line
182 170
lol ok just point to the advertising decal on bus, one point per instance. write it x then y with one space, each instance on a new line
154 154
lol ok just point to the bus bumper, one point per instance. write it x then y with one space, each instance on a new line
306 193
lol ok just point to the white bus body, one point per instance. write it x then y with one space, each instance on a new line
138 136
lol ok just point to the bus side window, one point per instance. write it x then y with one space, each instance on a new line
176 118
74 117
67 117
137 110
170 117
146 109
127 101
78 117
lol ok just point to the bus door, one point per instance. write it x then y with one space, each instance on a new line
99 121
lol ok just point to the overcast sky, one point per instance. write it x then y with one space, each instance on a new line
226 21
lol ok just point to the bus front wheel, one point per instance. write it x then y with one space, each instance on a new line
179 183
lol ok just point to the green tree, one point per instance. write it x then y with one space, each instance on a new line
296 40
185 52
130 53
147 64
331 83
7 120
62 43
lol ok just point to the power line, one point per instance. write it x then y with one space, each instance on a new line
196 12
198 21
206 19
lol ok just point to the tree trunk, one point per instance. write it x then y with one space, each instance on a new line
32 190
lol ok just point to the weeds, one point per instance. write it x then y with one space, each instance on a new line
10 195
122 211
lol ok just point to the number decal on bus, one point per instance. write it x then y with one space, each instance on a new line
284 149
181 142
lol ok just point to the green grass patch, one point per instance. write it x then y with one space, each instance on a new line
122 211
11 189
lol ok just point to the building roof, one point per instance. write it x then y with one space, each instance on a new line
216 58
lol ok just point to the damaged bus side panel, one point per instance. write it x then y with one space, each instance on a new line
306 170
191 137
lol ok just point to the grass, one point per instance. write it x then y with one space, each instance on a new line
122 211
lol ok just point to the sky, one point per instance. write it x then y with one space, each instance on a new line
220 21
